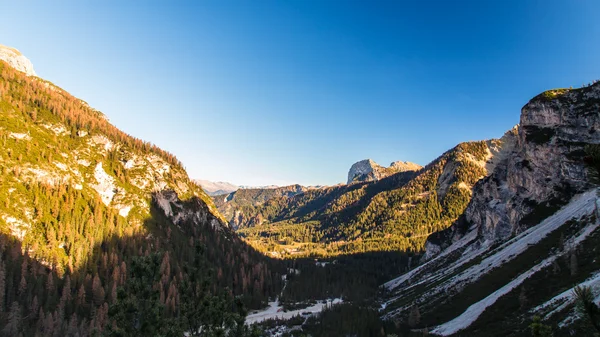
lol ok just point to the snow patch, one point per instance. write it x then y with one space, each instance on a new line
566 298
474 311
275 310
438 268
472 235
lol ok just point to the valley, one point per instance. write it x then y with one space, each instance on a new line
102 233
506 224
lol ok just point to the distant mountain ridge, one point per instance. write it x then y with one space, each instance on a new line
216 188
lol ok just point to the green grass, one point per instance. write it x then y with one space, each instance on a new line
554 93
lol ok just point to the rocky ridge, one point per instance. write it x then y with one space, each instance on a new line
541 170
368 170
16 60
527 220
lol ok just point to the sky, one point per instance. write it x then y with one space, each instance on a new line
281 92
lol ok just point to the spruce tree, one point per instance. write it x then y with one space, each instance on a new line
588 310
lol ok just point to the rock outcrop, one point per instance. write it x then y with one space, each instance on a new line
15 59
368 170
532 220
540 172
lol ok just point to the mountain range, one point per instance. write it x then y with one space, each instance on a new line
505 226
105 234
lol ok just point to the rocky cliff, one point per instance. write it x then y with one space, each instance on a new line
540 170
368 170
528 235
15 59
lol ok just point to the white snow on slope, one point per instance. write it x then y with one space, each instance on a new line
566 298
586 202
275 310
457 245
579 206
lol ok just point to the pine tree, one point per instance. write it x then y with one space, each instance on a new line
586 306
2 285
13 322
97 291
23 282
539 329
138 310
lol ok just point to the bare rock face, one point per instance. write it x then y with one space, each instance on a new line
15 59
404 166
541 171
368 170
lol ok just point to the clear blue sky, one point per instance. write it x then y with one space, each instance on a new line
277 92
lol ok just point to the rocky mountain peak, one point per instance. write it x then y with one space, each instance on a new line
369 170
541 170
15 59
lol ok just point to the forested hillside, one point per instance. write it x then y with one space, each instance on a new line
240 207
100 230
394 213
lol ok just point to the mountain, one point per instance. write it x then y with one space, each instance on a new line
396 212
15 59
216 188
236 206
527 237
99 229
368 170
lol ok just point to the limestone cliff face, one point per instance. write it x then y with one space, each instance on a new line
541 170
16 60
368 170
